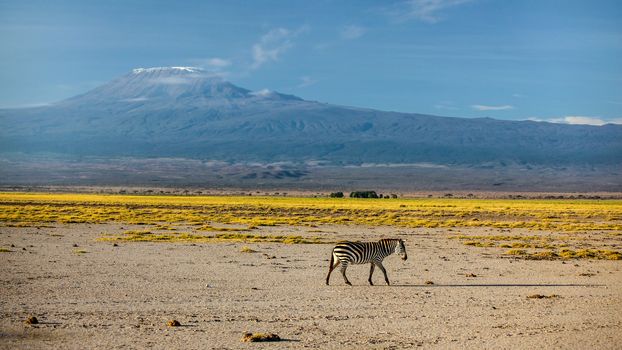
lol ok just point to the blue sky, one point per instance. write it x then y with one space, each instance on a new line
544 60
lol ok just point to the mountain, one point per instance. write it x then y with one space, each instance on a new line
186 112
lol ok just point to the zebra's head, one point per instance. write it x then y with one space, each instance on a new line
400 249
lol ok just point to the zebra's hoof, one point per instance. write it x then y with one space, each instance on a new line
348 283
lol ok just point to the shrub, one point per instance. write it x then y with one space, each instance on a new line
31 320
516 252
364 194
260 337
541 296
246 249
173 323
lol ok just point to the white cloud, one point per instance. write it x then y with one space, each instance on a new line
272 45
491 108
577 119
213 66
306 81
580 120
425 10
262 92
352 32
216 62
135 99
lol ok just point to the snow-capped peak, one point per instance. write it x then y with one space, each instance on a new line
156 69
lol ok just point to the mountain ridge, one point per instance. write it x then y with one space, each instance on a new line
188 112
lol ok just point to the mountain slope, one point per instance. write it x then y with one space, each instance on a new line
185 112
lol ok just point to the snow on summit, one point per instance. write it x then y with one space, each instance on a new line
158 69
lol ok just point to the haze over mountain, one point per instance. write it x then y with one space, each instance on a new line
187 112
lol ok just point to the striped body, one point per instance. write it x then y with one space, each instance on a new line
347 253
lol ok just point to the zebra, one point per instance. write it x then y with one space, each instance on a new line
365 252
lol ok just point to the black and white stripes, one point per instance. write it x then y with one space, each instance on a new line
347 253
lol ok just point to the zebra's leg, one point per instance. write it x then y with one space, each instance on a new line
332 267
371 272
344 266
386 278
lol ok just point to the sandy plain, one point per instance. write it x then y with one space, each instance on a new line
92 294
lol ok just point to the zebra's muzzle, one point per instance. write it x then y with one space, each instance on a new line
404 257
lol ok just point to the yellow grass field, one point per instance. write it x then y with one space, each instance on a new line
574 228
561 215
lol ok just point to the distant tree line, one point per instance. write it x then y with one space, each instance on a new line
362 194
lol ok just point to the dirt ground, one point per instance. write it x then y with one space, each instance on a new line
92 294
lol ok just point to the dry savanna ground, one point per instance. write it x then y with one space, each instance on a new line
110 271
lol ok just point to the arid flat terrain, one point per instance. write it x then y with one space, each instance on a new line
192 175
88 293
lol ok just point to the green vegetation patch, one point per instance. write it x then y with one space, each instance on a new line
479 244
496 241
593 223
549 215
516 252
567 254
531 247
221 229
